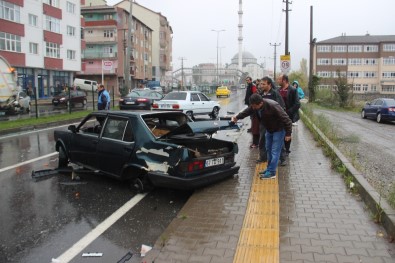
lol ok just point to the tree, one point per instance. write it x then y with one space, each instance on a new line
342 89
303 67
315 80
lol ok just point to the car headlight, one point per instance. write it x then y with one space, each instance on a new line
62 99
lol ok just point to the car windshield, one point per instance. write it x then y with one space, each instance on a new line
140 93
390 103
176 96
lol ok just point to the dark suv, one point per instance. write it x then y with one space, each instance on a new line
64 99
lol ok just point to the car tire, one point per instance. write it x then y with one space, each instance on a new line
63 160
363 114
214 114
378 118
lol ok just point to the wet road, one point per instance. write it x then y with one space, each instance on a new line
44 219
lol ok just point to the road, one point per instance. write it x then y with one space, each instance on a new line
58 218
369 143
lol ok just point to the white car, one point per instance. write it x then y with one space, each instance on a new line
190 102
18 102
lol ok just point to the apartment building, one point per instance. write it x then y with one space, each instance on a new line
161 38
42 41
367 61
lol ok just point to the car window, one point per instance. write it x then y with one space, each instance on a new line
128 134
92 125
114 128
203 97
378 102
176 96
390 103
194 97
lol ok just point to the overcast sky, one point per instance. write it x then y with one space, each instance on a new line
264 23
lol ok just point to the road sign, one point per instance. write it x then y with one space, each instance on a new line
107 65
285 63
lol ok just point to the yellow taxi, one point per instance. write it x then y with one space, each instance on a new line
222 91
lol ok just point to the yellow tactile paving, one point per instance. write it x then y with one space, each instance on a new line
259 238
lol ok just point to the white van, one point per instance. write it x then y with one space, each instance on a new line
85 84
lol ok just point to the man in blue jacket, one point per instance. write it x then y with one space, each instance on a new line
103 100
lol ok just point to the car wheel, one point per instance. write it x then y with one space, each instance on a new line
214 113
378 118
363 114
63 160
190 114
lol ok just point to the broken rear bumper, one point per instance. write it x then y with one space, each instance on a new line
188 183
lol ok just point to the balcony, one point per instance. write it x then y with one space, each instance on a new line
95 54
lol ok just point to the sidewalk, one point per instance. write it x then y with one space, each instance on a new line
319 221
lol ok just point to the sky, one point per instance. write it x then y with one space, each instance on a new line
192 22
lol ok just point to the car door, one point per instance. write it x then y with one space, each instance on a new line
83 145
116 145
196 104
207 104
369 109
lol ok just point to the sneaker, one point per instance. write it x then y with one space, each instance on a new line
261 160
295 124
262 172
267 175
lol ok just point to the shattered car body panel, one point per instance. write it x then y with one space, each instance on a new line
164 149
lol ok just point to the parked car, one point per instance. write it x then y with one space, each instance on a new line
381 109
16 103
141 99
75 97
190 102
160 149
222 91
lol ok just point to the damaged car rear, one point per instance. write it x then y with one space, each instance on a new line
160 149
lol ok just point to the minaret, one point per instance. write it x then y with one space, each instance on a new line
240 67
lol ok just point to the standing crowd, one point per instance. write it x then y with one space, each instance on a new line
273 112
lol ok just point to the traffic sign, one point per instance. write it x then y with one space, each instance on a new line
285 63
107 65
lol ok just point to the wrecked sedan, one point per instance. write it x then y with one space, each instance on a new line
162 149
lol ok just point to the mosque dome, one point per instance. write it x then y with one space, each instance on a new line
247 58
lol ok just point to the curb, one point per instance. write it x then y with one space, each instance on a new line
368 194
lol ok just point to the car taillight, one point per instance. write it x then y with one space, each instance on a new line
176 106
142 100
155 106
391 109
195 165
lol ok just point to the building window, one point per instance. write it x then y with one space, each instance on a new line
162 35
90 31
389 61
365 87
388 88
70 31
10 12
324 74
52 24
10 42
389 47
339 49
354 61
389 75
370 61
323 49
371 48
337 74
339 61
54 3
71 54
355 48
70 7
356 87
374 88
108 33
33 48
52 50
323 61
370 74
33 20
107 51
354 74
107 17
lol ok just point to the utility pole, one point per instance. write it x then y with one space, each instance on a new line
286 25
275 45
311 59
128 48
182 71
218 31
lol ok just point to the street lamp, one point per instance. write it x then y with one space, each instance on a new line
218 31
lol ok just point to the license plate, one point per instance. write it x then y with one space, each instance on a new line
165 106
214 161
130 102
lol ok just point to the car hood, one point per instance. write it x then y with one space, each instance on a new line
206 127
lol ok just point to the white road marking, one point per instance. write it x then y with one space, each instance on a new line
95 233
26 162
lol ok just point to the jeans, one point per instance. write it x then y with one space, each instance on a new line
262 143
274 143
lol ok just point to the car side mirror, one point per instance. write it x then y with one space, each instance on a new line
72 128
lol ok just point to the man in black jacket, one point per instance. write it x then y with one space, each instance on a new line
278 128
